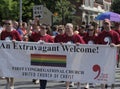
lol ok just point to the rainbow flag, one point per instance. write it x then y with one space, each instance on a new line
48 60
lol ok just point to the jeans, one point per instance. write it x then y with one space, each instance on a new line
43 84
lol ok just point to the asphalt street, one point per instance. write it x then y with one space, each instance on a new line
28 84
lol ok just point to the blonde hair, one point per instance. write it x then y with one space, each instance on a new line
69 25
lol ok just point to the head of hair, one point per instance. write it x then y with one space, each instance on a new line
47 27
107 21
61 27
69 25
55 28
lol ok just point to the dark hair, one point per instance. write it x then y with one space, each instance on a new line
47 27
43 26
83 26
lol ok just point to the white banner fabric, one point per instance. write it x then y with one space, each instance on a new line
60 62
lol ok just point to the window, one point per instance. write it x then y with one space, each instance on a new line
89 3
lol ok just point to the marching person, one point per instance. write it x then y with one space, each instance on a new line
10 34
42 36
34 37
70 38
90 38
107 37
91 35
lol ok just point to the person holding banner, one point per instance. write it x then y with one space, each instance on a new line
35 34
90 38
10 34
107 37
33 37
42 37
70 38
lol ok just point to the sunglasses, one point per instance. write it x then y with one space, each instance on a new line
7 23
60 29
106 23
90 29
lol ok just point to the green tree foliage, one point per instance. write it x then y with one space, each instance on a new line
9 9
65 11
116 6
27 9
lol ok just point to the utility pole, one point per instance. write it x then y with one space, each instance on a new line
20 11
62 12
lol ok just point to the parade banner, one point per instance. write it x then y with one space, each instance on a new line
60 62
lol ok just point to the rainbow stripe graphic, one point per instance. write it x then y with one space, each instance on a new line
48 60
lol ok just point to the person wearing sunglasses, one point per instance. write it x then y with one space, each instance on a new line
10 34
61 34
40 35
91 36
106 37
68 36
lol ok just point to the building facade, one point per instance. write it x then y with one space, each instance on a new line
89 9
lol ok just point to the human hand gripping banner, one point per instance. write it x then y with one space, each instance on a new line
53 61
